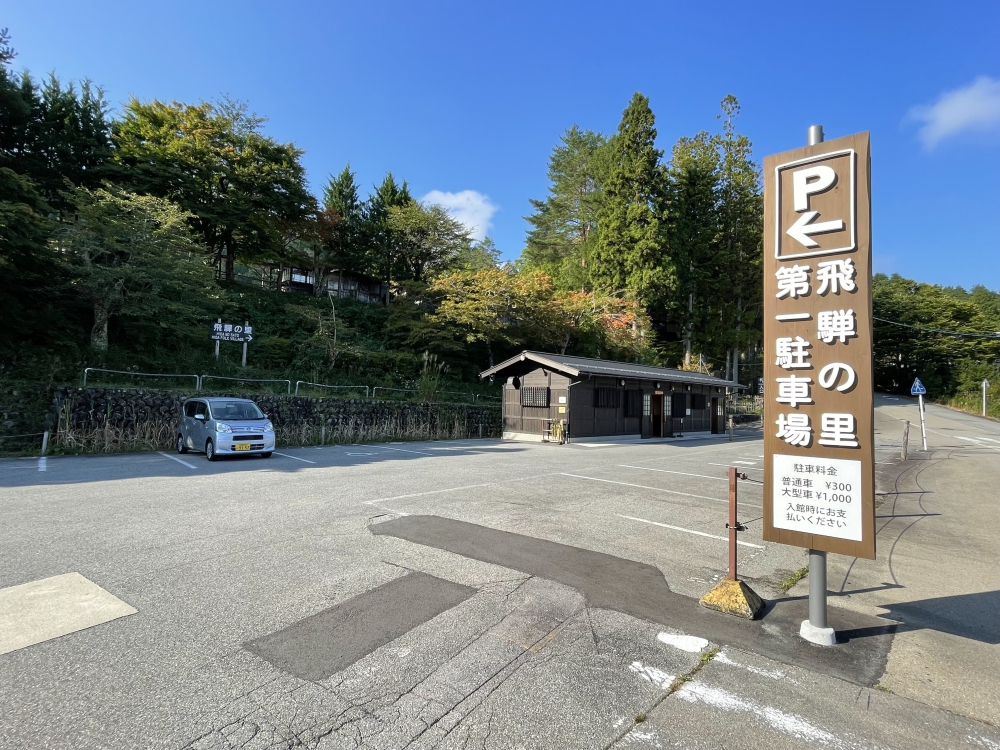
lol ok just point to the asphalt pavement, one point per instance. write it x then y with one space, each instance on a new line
496 595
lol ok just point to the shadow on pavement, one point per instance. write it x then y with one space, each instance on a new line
81 469
973 616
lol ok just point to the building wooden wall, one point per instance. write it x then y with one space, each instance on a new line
586 420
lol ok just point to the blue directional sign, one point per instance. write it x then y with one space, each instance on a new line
917 389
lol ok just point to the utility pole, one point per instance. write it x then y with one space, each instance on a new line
986 384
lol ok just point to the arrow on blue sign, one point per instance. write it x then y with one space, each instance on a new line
917 389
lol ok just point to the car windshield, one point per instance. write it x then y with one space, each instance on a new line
231 410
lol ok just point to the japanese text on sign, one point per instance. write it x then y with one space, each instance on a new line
230 332
818 496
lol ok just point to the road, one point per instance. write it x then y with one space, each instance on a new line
495 595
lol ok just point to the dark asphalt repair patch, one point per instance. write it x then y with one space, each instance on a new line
332 640
640 590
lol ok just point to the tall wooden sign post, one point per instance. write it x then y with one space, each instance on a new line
819 481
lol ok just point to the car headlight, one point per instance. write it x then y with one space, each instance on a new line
222 427
268 427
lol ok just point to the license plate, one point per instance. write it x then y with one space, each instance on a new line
241 446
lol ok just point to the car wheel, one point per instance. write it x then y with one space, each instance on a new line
181 448
210 451
265 454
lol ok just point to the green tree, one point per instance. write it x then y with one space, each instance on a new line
426 241
134 255
52 133
500 308
692 230
917 348
345 214
380 242
741 251
240 187
629 258
564 225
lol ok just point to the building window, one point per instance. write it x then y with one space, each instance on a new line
698 401
535 397
646 411
606 398
678 404
633 403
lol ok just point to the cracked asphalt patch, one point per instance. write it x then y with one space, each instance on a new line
641 591
332 640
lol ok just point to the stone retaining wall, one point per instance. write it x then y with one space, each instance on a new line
108 420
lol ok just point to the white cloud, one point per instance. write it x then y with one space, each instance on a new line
467 206
975 108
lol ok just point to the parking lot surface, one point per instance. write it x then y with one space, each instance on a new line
478 594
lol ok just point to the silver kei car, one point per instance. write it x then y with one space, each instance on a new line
224 426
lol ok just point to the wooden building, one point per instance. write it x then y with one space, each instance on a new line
597 397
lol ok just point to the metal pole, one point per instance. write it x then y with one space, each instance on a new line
245 324
817 589
217 343
815 628
986 384
45 442
733 523
923 428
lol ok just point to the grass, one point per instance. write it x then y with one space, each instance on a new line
785 586
883 688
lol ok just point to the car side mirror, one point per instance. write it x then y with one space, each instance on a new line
200 416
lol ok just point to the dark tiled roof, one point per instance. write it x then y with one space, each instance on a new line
584 365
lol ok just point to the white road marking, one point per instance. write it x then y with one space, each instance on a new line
456 489
668 471
42 464
178 460
690 531
353 454
403 450
303 460
730 464
790 724
656 489
652 675
777 674
690 643
748 463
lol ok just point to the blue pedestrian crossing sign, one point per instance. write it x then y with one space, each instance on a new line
917 389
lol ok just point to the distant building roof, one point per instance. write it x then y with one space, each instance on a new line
577 366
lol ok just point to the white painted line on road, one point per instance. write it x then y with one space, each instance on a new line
655 489
691 531
178 460
748 463
403 450
42 464
457 489
355 454
730 464
303 460
668 471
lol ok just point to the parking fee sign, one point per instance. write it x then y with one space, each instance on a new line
819 488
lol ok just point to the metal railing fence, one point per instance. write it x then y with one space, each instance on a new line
88 370
323 385
288 383
370 392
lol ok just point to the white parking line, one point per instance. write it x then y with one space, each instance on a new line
174 458
682 473
403 450
691 531
657 489
303 460
42 463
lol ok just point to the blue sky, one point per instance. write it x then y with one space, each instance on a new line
467 96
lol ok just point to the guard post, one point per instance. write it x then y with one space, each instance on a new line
819 480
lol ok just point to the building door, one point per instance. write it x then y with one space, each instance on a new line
656 417
717 428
